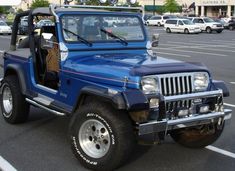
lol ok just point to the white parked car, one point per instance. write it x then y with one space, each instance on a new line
207 24
159 20
155 20
4 28
181 26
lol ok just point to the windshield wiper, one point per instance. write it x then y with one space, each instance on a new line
122 40
88 43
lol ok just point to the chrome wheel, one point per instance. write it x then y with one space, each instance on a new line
94 138
7 101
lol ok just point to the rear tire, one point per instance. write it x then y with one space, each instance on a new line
159 24
219 31
231 28
197 137
168 30
14 108
101 137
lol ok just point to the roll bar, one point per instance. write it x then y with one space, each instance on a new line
53 7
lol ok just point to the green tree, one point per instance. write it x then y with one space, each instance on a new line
4 9
96 2
92 2
20 10
171 6
39 3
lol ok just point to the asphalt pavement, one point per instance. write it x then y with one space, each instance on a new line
42 144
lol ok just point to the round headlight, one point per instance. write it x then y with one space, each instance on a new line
149 85
201 81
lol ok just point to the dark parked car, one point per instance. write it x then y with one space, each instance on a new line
23 26
231 24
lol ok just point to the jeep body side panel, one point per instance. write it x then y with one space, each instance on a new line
15 63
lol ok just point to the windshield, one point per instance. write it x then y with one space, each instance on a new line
3 24
188 22
208 20
95 28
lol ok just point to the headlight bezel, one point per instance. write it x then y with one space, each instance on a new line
201 84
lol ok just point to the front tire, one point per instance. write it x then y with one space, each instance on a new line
101 138
208 30
198 137
13 105
168 30
186 31
219 31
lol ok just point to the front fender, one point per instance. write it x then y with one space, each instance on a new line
127 100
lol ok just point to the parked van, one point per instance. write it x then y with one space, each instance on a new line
207 24
181 26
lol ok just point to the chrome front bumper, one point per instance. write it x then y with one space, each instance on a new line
166 125
192 120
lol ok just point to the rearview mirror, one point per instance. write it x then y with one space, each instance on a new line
155 40
47 41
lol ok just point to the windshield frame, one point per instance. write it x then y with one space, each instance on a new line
105 14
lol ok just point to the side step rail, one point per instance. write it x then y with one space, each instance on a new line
44 107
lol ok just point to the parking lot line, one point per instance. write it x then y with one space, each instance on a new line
230 105
199 46
201 43
206 53
203 48
5 37
221 151
226 41
232 82
173 54
5 165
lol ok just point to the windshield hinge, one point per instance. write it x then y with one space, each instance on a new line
125 82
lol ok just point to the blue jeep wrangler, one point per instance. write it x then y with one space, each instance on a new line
97 66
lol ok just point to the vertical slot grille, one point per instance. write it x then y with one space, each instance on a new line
175 85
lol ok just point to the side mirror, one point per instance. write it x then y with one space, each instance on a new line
155 40
47 41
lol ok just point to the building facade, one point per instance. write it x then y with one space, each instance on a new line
215 8
210 8
149 4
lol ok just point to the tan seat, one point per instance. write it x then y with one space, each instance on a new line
52 58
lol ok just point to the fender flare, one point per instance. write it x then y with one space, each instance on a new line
130 100
217 84
20 74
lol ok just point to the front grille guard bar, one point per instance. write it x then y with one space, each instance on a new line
193 120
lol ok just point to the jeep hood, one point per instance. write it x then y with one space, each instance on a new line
118 66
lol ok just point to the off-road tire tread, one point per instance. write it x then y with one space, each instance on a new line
124 129
20 111
178 137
